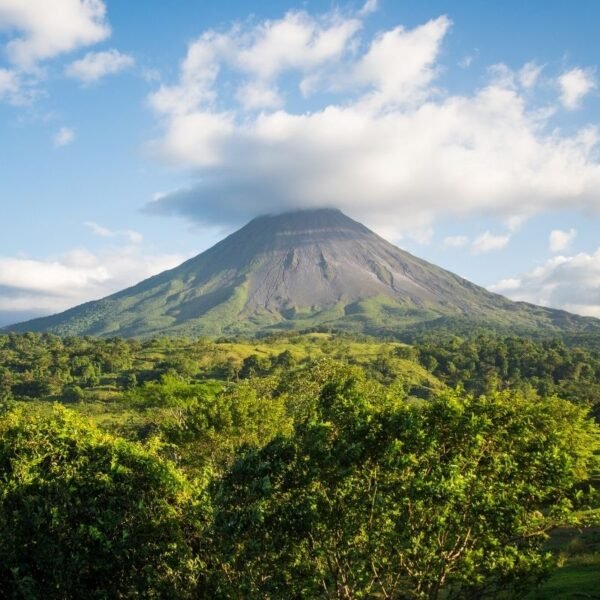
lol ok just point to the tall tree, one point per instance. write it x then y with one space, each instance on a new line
449 498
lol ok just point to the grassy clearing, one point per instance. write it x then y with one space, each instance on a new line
577 551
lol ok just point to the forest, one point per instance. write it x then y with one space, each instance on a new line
313 465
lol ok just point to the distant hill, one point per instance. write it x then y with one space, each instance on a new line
300 270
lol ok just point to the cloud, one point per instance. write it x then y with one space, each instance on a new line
298 42
34 31
256 96
98 229
96 65
568 282
33 286
8 83
397 81
15 88
370 6
515 222
487 242
456 241
529 74
63 137
377 138
39 30
134 237
466 61
560 240
575 85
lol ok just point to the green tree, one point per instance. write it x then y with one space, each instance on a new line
445 499
33 388
254 366
73 393
128 381
6 384
87 515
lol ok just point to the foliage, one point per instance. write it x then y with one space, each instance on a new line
83 514
298 466
447 499
487 363
205 422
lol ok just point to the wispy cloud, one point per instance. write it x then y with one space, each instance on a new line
133 236
560 240
96 65
487 242
63 137
370 6
456 241
529 74
575 85
9 84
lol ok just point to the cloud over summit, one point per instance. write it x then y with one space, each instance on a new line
377 137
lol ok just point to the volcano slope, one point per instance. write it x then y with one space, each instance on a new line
300 270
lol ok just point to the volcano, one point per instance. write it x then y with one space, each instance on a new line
297 271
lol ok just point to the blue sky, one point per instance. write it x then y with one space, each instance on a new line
133 137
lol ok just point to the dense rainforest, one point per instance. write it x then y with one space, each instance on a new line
298 466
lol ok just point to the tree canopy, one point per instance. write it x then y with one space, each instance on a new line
450 499
84 514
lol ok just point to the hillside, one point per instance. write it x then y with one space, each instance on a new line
297 271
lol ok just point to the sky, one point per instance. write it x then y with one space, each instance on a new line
135 135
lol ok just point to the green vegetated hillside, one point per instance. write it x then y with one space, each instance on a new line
300 271
298 466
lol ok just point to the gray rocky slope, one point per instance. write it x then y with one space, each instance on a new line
295 271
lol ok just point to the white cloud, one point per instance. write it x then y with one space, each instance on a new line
571 283
63 137
575 85
487 242
96 65
98 229
12 88
456 241
34 31
380 140
296 42
8 82
39 29
370 6
505 286
256 95
53 277
560 240
134 237
529 74
515 222
46 286
399 64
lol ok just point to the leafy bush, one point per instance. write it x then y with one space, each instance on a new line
86 515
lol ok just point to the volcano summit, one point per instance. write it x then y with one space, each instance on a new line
295 271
